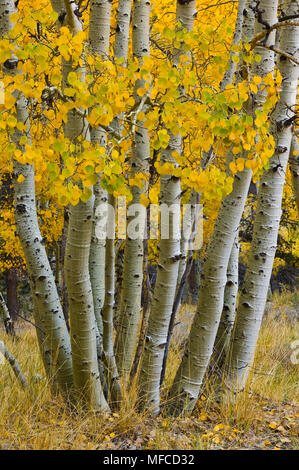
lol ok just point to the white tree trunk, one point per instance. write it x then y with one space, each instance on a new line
254 292
122 29
133 256
243 30
107 312
198 351
229 74
14 364
227 320
42 281
99 41
294 166
8 323
81 309
99 26
185 237
168 264
81 312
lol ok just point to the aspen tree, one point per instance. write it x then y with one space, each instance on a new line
294 166
122 33
190 224
199 347
120 52
227 320
185 237
254 292
8 324
239 32
168 264
244 30
81 309
130 304
14 364
49 313
99 41
107 312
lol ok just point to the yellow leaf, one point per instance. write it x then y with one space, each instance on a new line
218 427
240 164
141 92
21 178
144 200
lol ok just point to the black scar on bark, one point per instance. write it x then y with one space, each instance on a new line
20 209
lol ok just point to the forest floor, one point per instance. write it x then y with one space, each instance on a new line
264 416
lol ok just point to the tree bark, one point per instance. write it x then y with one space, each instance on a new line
186 387
99 41
108 350
81 308
8 323
254 292
169 257
42 281
83 335
131 289
14 364
12 293
227 320
294 166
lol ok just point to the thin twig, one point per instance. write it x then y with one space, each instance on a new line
278 51
254 41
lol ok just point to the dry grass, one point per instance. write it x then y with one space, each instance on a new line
264 416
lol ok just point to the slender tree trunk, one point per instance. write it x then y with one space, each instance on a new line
243 30
227 320
108 350
8 323
130 307
40 274
254 292
99 40
187 254
81 309
169 257
12 293
14 364
122 29
185 238
294 166
163 297
97 260
99 26
83 335
229 74
45 352
145 316
198 351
